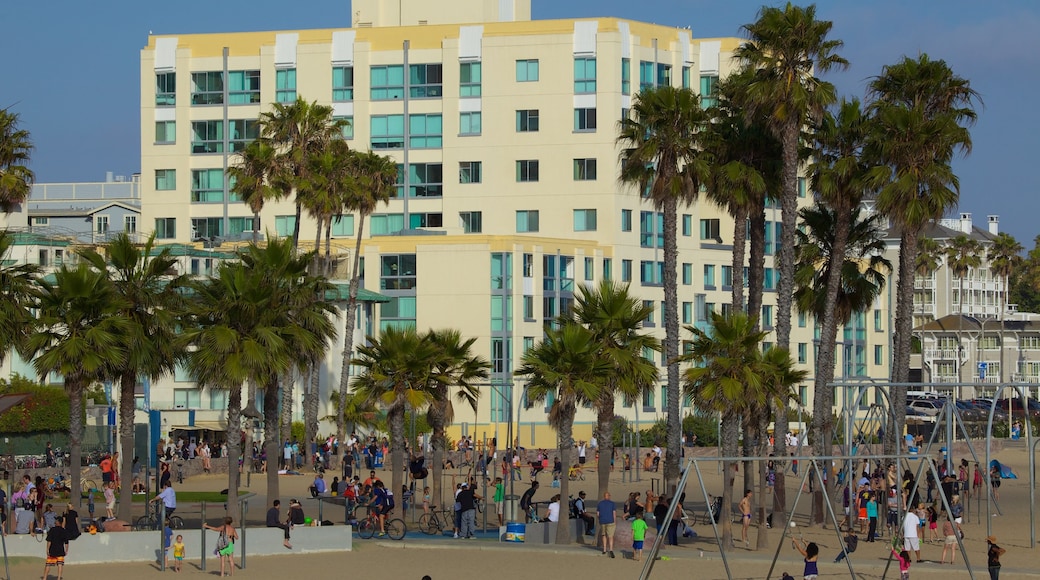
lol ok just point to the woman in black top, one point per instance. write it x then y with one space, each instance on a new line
993 557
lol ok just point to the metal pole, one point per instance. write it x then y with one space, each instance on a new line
242 536
407 134
648 564
202 542
638 435
783 534
160 514
484 474
714 524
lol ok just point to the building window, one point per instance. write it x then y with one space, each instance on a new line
709 276
767 317
687 274
585 120
385 224
685 77
727 277
584 220
424 180
343 225
469 79
527 120
708 91
397 272
242 132
207 137
244 87
165 132
387 82
769 279
608 267
387 131
207 88
425 81
207 228
165 179
472 222
589 269
802 319
342 84
584 170
803 353
527 71
687 225
687 312
651 273
626 76
346 130
469 123
526 221
426 220
187 399
528 305
646 75
626 220
584 75
879 354
469 172
710 230
801 187
425 131
207 185
527 170
165 228
664 75
41 221
165 89
400 312
651 229
528 266
101 224
284 225
626 270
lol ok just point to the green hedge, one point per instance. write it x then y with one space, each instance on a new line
46 409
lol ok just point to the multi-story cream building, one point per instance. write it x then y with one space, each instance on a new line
505 129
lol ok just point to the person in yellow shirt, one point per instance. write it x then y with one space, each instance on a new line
178 553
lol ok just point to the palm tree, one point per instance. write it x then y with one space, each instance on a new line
662 154
962 254
786 47
324 191
250 178
615 318
921 110
375 177
16 178
79 335
297 131
151 302
728 379
841 178
568 368
17 286
398 368
456 369
929 252
1004 257
301 318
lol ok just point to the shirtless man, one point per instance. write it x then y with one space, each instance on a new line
745 511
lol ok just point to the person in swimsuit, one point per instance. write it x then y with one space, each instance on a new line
810 552
745 510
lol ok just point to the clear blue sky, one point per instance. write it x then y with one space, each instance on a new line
71 69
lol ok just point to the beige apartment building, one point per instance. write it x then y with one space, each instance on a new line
504 128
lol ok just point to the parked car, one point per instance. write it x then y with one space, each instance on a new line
930 407
1016 407
999 415
914 415
971 412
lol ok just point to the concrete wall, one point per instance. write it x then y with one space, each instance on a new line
144 546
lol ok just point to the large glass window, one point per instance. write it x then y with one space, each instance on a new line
187 399
387 82
343 225
646 75
626 270
585 119
165 132
241 133
207 185
584 170
165 179
709 98
425 131
527 221
284 225
727 277
165 228
386 224
626 220
469 172
469 123
626 76
651 229
527 170
243 87
424 180
709 276
397 272
207 88
207 137
425 81
584 75
347 129
527 71
207 228
285 85
664 75
425 220
710 230
527 120
387 131
584 220
342 84
469 79
165 89
472 222
687 274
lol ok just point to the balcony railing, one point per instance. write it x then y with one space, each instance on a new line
989 378
946 379
941 353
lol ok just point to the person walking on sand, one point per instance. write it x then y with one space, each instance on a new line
638 535
745 512
911 542
606 509
993 554
225 544
949 531
57 548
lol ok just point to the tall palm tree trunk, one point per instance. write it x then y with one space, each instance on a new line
256 227
604 426
396 420
903 328
671 347
762 449
296 226
327 270
756 261
730 430
310 403
317 242
271 444
234 451
285 422
566 436
127 410
737 263
247 445
348 332
436 419
74 387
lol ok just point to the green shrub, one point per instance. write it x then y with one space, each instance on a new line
46 409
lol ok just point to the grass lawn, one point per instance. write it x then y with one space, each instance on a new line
194 496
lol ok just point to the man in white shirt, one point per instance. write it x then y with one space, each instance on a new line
911 543
581 452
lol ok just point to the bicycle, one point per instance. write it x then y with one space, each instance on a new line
395 528
435 522
153 520
712 511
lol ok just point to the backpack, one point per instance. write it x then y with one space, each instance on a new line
390 500
573 507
